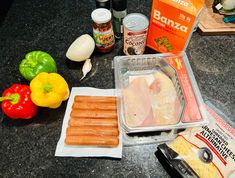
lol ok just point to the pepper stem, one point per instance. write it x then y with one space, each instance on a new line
14 98
31 63
47 87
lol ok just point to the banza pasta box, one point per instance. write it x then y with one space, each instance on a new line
172 23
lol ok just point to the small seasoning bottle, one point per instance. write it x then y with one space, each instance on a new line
103 30
119 12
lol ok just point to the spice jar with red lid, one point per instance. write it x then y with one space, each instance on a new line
103 30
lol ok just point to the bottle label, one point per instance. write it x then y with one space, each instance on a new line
117 25
103 39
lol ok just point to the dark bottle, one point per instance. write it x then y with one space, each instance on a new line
103 4
119 12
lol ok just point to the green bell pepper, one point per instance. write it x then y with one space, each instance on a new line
36 62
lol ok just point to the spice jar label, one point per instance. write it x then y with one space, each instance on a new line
104 39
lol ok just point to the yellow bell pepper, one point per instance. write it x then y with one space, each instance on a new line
49 90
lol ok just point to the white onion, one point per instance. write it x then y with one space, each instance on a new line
81 49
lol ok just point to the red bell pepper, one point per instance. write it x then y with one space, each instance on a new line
16 102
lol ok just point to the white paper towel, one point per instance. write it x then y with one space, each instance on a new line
83 151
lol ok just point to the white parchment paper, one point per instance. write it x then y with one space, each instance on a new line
64 150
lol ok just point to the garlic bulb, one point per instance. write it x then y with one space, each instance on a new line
86 68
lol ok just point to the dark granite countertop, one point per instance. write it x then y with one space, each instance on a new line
27 148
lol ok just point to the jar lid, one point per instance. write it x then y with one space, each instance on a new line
101 15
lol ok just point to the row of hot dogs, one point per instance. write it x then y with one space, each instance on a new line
93 122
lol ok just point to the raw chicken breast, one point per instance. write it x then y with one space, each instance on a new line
164 100
150 100
137 103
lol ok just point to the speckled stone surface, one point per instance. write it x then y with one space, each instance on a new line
27 148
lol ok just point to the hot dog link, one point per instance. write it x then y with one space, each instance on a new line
106 141
96 99
97 131
94 113
93 122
